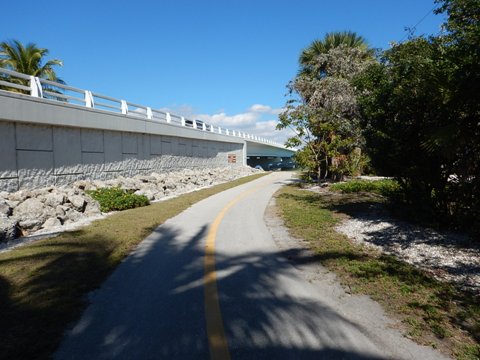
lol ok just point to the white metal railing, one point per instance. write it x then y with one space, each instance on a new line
21 83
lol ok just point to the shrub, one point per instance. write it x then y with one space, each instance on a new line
383 187
116 199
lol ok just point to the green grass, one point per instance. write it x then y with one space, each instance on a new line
43 285
433 313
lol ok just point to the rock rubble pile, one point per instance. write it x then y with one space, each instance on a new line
27 211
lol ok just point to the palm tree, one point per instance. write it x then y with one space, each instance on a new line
330 41
27 60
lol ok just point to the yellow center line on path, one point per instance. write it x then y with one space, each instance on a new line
215 332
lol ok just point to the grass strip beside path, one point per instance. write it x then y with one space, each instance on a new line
43 286
434 313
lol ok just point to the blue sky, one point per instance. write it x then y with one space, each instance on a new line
227 62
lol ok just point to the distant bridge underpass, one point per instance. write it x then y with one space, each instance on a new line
267 155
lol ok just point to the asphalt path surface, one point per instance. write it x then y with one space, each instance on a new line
213 282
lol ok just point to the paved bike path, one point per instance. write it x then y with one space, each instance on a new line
154 305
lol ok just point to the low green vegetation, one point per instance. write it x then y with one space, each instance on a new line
117 199
43 286
433 313
384 187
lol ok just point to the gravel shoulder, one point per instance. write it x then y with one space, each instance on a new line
385 332
445 255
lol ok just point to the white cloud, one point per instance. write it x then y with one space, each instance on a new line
259 108
267 129
256 120
253 121
238 121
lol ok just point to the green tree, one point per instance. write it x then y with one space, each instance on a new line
308 57
463 138
322 109
422 116
402 104
29 60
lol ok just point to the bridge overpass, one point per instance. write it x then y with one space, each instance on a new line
267 154
54 134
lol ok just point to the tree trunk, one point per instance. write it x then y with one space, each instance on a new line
326 168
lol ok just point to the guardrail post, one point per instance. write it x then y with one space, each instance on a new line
219 130
168 117
89 99
204 127
211 128
124 107
194 124
227 132
183 120
35 87
149 113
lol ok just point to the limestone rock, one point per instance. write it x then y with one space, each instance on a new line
60 211
170 184
73 216
4 194
8 229
5 208
52 222
54 199
12 204
113 182
31 214
41 193
92 209
158 177
20 196
150 194
72 192
78 202
80 184
145 178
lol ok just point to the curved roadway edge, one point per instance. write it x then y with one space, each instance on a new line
359 309
153 306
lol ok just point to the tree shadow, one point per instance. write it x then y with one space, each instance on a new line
35 314
416 244
397 236
153 307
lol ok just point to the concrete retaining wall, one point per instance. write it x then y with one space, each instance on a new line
40 155
42 144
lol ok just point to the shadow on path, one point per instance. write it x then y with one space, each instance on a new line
153 307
